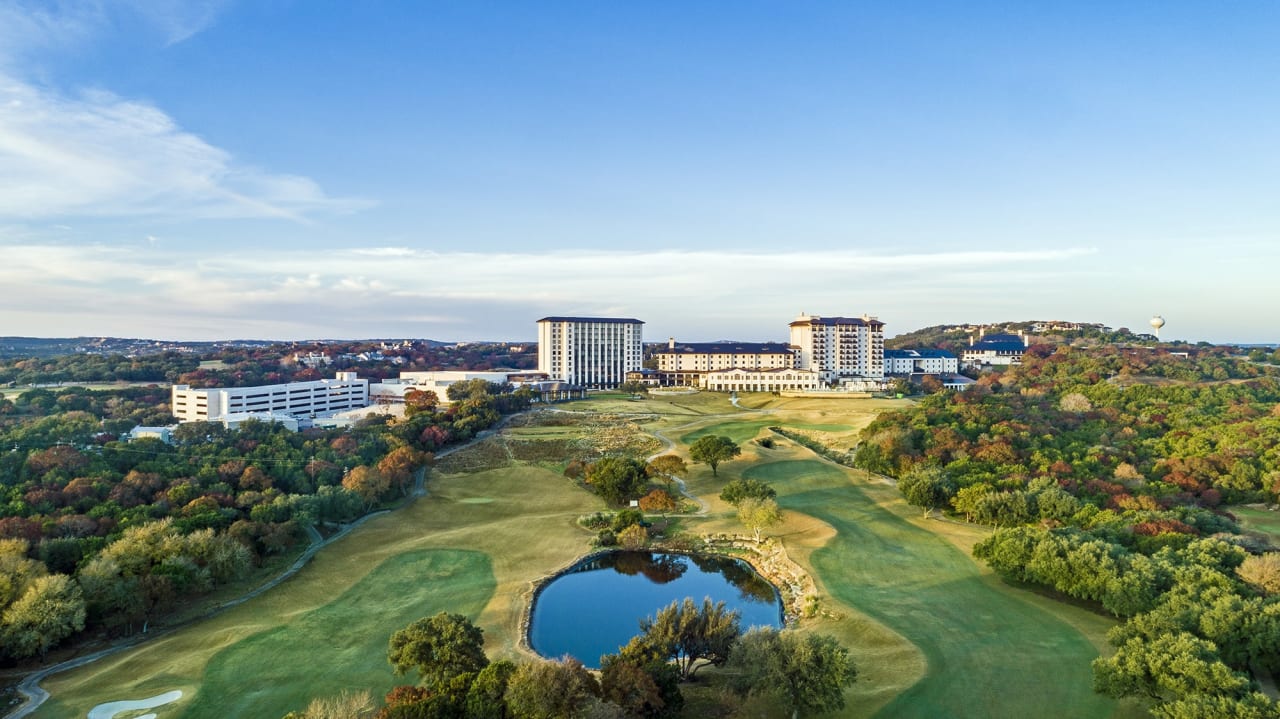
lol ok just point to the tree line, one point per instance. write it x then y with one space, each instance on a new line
1104 472
804 673
98 533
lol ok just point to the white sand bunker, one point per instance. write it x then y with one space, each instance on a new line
110 709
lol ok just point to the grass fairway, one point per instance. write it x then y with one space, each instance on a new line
342 645
744 430
348 633
473 545
1259 519
932 632
989 653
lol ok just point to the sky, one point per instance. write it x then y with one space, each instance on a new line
294 169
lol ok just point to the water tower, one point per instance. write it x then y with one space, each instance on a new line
1156 323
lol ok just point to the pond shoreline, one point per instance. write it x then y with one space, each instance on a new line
792 586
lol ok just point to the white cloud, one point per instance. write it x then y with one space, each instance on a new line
101 155
91 153
468 295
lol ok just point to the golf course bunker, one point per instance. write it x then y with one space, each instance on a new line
476 500
111 709
595 606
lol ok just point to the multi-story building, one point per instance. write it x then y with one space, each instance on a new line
594 352
685 363
778 379
926 361
993 350
296 399
839 348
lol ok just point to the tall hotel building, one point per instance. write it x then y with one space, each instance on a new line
594 352
839 347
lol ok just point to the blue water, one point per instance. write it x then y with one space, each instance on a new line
597 608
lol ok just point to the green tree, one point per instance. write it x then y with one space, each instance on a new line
634 387
617 479
1172 666
1253 705
486 699
807 672
759 514
690 635
439 648
51 609
712 450
927 487
739 489
626 684
561 689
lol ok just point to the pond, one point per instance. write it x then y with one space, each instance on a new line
596 606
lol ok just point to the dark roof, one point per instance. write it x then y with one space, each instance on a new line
726 348
619 320
1012 347
918 354
838 321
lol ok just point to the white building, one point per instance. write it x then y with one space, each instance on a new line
296 399
761 380
164 434
926 361
392 391
995 350
839 348
594 352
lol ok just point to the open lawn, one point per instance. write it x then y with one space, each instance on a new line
933 633
1259 519
989 653
502 529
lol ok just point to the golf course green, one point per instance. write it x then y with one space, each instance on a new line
932 631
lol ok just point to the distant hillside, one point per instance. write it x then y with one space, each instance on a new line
955 337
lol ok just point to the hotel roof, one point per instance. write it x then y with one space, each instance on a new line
617 320
728 348
814 320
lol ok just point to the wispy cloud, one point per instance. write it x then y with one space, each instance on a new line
92 153
367 292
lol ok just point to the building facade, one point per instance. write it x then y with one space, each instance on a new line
296 399
686 362
926 361
995 350
782 379
839 348
595 352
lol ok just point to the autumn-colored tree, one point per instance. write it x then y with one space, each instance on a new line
418 401
367 483
634 537
1262 572
399 465
658 500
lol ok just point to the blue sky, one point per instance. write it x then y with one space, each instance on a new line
455 170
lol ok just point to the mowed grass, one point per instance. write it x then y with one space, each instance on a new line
1259 519
745 430
988 651
514 525
933 633
342 645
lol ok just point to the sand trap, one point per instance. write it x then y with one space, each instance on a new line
476 500
110 709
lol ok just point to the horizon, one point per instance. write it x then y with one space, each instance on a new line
290 170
